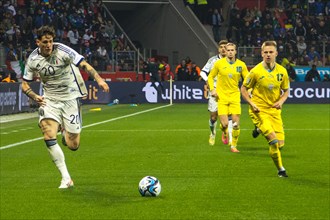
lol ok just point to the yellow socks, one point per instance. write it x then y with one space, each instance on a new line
236 132
275 153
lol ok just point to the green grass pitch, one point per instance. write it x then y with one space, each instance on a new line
171 143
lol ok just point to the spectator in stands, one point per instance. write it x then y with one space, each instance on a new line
291 72
102 34
312 75
7 76
165 70
299 30
236 25
87 36
288 24
288 60
144 70
313 53
103 57
202 8
74 37
301 46
40 19
257 40
217 19
153 68
188 63
319 7
302 60
323 28
267 23
312 34
58 24
27 51
246 34
315 62
26 29
327 9
182 71
87 52
109 28
195 72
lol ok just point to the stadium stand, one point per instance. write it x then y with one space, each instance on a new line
301 29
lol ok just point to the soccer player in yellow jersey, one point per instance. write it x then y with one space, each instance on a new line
270 85
229 71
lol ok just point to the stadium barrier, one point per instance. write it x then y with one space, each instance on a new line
12 100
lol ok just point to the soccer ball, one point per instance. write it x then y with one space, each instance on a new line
149 186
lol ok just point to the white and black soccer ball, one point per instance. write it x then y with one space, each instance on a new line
149 186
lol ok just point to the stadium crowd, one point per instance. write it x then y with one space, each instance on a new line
82 25
302 31
301 34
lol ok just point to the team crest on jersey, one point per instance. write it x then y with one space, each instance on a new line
270 86
230 75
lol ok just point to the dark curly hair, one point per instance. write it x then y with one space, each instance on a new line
45 30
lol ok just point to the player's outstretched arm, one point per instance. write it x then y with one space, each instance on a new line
92 72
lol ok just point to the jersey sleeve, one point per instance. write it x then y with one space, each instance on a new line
28 73
249 80
207 68
72 55
285 85
212 75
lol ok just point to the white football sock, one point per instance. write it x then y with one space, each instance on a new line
213 126
57 156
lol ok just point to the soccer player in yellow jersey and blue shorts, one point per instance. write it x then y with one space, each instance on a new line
270 85
229 72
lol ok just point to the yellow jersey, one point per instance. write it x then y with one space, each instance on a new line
228 76
267 85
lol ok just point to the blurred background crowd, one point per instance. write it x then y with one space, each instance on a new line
300 27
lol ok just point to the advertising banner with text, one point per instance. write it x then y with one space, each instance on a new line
301 72
12 100
191 92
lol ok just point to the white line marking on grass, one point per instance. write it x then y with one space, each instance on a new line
87 126
13 131
20 143
125 116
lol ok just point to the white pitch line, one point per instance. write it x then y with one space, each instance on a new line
87 126
125 116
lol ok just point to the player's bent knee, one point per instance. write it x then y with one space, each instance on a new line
74 148
73 144
280 144
214 117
